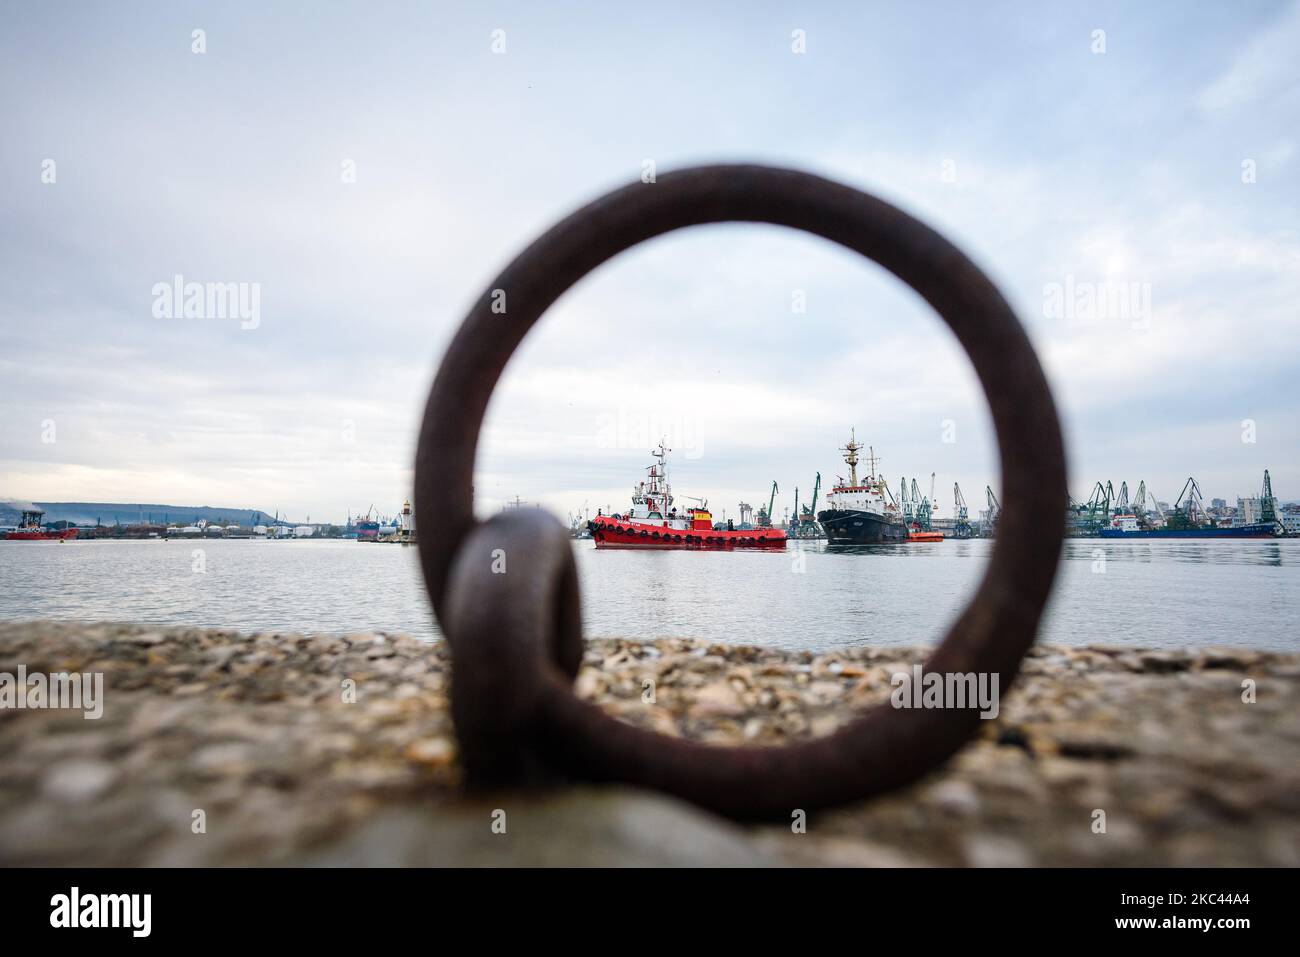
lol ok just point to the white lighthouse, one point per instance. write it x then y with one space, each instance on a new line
406 523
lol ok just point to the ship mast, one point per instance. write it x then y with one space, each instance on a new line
659 487
851 457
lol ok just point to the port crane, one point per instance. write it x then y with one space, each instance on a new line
995 509
1098 506
884 484
903 500
765 517
962 528
1267 503
806 517
809 513
920 508
1140 507
1189 509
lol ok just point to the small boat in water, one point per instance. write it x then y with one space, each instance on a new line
29 529
654 522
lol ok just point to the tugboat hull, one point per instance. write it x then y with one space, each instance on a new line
40 535
616 533
860 528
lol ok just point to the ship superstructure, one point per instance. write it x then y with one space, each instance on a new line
30 529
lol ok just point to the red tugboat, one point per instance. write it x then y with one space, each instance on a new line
30 530
654 522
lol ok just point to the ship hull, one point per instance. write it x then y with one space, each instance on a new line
614 533
1260 530
41 536
844 527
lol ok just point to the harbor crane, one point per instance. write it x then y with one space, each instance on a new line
1098 506
920 508
1140 507
806 517
884 484
1267 503
765 517
962 528
995 509
1189 509
904 501
810 511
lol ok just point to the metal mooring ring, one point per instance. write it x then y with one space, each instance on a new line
886 747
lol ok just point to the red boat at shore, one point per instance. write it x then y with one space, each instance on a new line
654 522
30 530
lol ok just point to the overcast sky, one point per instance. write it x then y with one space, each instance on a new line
372 166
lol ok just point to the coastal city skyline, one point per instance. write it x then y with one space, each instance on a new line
1162 307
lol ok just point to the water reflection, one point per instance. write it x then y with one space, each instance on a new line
1268 552
899 549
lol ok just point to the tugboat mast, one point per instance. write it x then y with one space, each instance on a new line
661 470
656 494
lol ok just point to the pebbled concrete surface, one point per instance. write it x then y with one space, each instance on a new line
339 750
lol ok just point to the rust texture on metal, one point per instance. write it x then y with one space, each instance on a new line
506 591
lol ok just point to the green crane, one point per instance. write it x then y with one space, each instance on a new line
920 508
1189 509
995 509
1098 507
765 517
811 510
804 523
1267 503
1140 508
962 528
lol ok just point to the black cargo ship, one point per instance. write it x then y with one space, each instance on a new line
852 527
860 513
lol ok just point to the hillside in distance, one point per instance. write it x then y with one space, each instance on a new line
125 513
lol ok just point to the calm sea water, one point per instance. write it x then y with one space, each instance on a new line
1162 594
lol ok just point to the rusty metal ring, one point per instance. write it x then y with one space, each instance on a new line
887 747
512 616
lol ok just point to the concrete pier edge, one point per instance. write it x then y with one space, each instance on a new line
216 747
